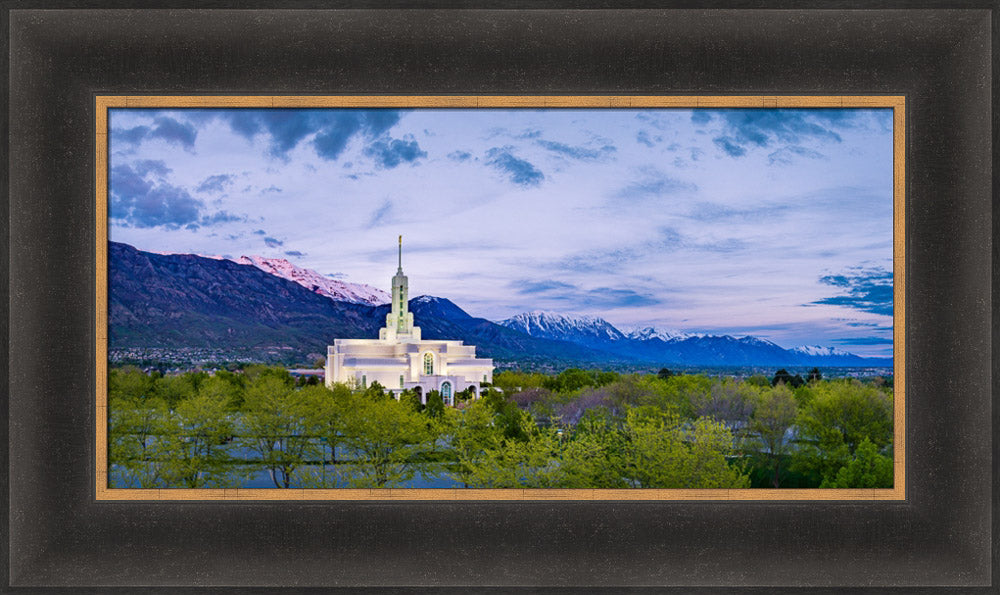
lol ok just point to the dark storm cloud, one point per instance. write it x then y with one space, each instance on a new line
865 289
521 172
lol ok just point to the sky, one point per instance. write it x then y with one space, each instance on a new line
775 223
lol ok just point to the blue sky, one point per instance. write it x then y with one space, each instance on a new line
776 223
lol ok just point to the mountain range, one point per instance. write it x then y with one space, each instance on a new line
268 306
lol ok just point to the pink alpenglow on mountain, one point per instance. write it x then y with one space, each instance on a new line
342 291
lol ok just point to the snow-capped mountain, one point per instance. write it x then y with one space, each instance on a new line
647 333
342 291
674 347
817 351
585 330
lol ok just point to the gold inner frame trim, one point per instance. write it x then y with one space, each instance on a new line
897 103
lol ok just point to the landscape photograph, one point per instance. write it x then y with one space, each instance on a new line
500 298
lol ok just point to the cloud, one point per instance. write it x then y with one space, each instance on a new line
141 198
459 156
700 116
867 289
654 183
215 184
643 137
174 132
665 241
521 172
730 146
380 214
389 153
525 286
219 217
709 211
746 129
573 297
272 189
581 153
609 298
294 253
786 155
273 243
260 232
864 341
331 130
132 136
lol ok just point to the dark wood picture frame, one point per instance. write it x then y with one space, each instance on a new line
60 536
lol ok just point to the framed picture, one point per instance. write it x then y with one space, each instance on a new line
681 199
62 533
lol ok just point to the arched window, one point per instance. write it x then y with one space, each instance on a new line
429 364
446 392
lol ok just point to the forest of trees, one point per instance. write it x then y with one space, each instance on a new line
577 429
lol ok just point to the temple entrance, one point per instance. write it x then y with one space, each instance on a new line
420 394
446 392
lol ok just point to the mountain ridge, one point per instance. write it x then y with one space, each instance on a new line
176 301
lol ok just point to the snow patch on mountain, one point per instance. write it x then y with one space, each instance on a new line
551 325
648 332
341 291
816 350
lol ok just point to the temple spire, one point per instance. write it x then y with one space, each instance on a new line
400 253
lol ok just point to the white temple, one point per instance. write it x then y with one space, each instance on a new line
400 360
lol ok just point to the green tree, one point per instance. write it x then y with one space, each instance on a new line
570 380
278 426
129 382
773 417
135 454
664 373
435 404
222 389
326 417
196 444
592 455
530 462
174 389
782 376
868 469
662 453
387 441
758 380
840 416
